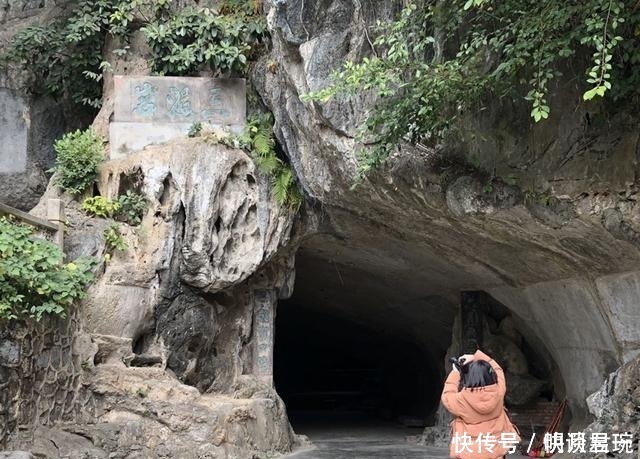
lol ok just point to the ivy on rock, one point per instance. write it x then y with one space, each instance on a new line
222 40
65 57
439 61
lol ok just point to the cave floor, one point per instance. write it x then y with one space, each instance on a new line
367 448
358 438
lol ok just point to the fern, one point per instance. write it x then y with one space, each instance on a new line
281 184
268 164
285 190
259 140
263 143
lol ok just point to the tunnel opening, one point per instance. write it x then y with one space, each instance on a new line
363 344
329 369
350 351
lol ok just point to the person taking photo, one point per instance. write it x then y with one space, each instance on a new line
474 394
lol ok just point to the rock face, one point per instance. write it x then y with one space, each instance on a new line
209 219
29 124
144 412
176 320
16 455
181 323
555 260
615 407
28 129
210 227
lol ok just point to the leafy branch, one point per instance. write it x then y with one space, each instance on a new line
65 57
34 281
484 49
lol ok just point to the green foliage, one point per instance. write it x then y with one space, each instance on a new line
601 28
534 197
222 40
79 154
285 189
129 207
439 61
65 57
113 238
34 281
132 207
195 129
259 141
99 206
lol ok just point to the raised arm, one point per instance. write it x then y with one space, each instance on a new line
450 395
502 382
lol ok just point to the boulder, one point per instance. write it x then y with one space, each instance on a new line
616 408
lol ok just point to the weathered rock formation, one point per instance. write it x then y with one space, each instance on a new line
616 408
143 412
180 352
184 318
426 227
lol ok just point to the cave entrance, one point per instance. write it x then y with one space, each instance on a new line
331 370
362 343
349 353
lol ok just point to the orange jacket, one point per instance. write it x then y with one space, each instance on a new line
479 413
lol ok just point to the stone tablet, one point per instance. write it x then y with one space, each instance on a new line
263 326
151 110
13 133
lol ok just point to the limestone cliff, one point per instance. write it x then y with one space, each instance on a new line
171 357
427 227
177 332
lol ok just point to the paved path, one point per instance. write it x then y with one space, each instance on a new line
358 439
367 448
361 440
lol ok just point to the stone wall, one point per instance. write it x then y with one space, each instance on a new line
29 124
41 369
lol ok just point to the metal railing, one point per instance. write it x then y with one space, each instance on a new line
53 224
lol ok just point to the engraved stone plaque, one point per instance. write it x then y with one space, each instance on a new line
152 109
263 324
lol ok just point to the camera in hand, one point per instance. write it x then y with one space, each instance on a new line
459 363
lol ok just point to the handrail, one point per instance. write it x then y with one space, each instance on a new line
54 222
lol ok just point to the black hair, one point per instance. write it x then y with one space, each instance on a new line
477 373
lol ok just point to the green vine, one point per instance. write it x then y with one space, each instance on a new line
439 62
65 57
221 40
